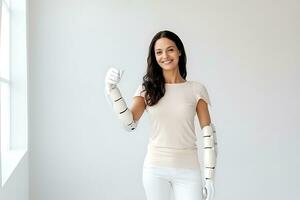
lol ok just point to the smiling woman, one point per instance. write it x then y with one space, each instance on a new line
172 102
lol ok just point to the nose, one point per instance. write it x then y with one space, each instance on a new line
165 54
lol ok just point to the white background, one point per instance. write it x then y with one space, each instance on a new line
245 52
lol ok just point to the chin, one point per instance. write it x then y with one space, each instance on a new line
171 67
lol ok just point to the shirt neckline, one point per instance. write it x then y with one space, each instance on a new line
175 84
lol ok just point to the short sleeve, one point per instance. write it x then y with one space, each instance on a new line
140 91
201 92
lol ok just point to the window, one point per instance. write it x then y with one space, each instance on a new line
4 76
13 85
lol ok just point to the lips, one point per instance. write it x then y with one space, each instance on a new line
167 61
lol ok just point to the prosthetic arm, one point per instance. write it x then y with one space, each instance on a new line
209 159
112 78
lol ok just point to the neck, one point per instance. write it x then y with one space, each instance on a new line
172 76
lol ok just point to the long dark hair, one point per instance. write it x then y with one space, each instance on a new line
153 81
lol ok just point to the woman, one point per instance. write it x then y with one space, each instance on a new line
171 163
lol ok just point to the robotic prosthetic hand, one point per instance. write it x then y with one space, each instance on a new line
112 78
209 160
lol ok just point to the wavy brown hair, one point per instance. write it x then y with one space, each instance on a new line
153 81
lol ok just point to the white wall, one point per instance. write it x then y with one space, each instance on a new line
245 52
17 188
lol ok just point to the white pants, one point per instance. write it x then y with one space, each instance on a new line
160 182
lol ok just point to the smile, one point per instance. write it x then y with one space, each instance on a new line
167 62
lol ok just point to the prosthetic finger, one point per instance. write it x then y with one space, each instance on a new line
204 193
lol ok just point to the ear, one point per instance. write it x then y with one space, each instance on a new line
179 53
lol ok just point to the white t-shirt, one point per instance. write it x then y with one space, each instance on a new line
172 141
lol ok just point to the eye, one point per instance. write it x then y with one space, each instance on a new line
171 49
158 52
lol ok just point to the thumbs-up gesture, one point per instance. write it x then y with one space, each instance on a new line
112 78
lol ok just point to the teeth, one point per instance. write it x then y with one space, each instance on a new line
166 62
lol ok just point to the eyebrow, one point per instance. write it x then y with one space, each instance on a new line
167 48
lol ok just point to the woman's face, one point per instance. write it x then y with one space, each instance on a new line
166 54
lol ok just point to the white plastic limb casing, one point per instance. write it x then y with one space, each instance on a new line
121 109
209 151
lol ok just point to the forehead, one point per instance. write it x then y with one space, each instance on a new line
163 43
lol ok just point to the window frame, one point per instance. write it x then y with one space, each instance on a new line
14 146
